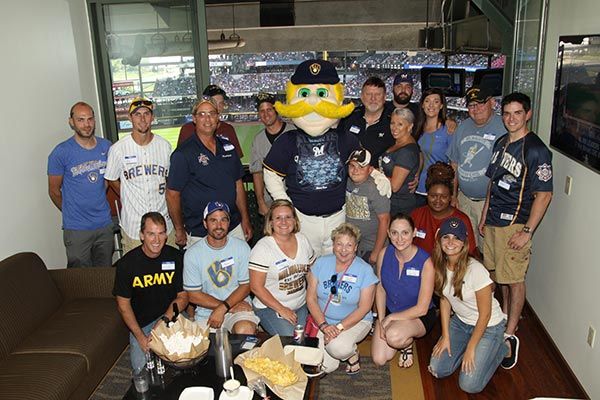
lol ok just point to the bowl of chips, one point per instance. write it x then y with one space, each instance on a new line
181 344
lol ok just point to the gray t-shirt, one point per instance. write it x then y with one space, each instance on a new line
471 149
363 204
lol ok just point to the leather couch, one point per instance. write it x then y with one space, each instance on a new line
60 331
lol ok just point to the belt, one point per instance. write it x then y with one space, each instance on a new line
471 198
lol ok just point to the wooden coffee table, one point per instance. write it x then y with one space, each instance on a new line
174 381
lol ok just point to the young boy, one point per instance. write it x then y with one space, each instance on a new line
366 207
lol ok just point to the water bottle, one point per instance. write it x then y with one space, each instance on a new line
149 361
222 353
160 367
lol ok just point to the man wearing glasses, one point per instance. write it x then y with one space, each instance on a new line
137 169
224 129
204 168
470 152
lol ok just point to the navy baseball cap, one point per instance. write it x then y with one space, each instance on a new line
213 90
478 94
315 71
213 206
403 77
454 226
362 157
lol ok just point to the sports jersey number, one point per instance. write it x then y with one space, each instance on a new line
161 188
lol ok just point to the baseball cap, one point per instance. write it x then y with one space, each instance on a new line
403 77
264 97
454 226
213 206
478 94
213 90
140 102
315 71
205 99
362 157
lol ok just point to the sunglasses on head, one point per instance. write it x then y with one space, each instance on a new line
138 103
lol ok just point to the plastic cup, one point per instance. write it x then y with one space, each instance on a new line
141 380
232 387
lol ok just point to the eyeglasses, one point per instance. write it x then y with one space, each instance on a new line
475 105
333 288
204 114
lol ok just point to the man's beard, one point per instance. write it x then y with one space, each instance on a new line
405 99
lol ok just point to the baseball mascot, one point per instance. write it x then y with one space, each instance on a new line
307 165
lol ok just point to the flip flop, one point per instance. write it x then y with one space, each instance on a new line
405 358
353 366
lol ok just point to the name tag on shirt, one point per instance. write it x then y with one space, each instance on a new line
168 265
385 159
349 278
487 136
504 185
413 272
227 262
354 129
102 171
130 159
281 264
228 147
421 234
506 216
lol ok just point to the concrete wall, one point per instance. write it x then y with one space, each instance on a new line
563 279
46 67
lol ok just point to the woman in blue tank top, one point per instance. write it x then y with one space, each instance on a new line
403 296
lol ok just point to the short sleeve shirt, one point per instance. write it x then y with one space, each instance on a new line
517 170
314 168
217 272
363 204
406 157
84 204
359 276
285 276
471 149
151 283
201 176
434 146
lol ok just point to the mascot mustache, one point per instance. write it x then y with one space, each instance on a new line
323 108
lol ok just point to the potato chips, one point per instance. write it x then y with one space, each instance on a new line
275 371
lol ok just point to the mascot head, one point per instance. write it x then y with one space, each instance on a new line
314 98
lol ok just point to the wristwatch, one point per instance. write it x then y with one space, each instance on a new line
527 229
340 327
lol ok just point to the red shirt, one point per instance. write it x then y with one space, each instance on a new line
427 225
223 129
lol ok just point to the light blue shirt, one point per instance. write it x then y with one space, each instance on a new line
433 146
358 276
217 272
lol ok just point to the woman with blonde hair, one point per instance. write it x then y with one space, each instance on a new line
472 338
278 265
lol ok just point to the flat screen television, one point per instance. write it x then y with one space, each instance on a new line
491 78
450 80
576 114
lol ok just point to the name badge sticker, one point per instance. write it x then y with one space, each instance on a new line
421 234
168 265
385 159
281 264
130 159
413 272
354 129
506 216
350 278
227 262
504 185
102 171
487 136
228 147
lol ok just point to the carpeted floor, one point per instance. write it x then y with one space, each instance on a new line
373 383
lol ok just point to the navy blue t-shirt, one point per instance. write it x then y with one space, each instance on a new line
201 176
314 168
517 170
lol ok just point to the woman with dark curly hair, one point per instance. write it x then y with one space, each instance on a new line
428 218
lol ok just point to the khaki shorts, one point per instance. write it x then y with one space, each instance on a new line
231 319
505 265
473 210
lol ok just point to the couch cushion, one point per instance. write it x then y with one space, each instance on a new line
29 297
85 327
40 376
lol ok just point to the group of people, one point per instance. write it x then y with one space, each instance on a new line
337 246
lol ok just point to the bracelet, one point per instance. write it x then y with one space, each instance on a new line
321 325
227 306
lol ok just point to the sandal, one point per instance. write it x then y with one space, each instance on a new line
353 366
405 358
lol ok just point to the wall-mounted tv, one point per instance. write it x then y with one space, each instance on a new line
576 114
491 78
450 80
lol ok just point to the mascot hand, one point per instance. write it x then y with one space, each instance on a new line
384 186
275 185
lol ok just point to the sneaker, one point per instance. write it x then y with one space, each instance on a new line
510 361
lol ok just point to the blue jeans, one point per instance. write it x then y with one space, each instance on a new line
138 357
488 355
275 325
